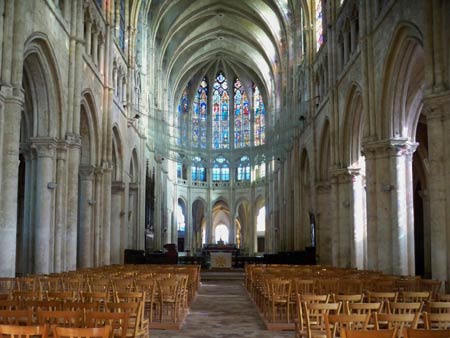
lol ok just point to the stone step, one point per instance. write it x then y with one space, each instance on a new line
219 275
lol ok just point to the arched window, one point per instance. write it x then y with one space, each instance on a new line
319 24
183 115
99 4
260 121
199 114
261 220
220 115
181 223
198 171
241 117
243 170
222 233
220 170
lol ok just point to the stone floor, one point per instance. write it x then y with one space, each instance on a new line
222 309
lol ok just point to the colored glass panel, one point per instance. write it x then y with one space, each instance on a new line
260 118
183 115
220 115
241 117
319 24
199 116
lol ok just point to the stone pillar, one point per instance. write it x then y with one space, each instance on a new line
60 206
45 185
86 201
107 173
71 231
437 109
324 223
117 219
95 47
11 112
389 194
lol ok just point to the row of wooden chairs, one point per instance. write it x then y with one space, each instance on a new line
58 332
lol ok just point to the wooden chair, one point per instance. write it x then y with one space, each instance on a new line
279 299
17 331
315 317
61 318
402 308
27 284
151 304
9 305
414 296
415 333
369 334
62 296
335 323
101 297
137 326
445 297
431 285
304 286
65 332
168 298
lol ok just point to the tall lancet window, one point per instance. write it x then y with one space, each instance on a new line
183 116
220 116
199 116
260 117
241 117
319 24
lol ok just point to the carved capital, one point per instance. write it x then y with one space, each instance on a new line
389 147
73 140
44 147
87 172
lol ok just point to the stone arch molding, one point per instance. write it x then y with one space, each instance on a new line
353 127
401 98
42 73
90 108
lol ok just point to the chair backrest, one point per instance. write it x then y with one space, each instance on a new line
100 332
314 314
61 318
416 333
118 321
396 321
363 308
414 296
384 298
335 323
346 333
399 307
440 321
16 331
16 317
437 307
304 286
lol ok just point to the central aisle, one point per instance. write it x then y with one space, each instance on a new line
222 309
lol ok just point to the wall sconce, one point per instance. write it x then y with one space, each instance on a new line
51 185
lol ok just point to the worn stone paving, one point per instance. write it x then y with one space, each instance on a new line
222 309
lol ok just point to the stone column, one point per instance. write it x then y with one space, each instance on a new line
324 223
11 112
107 173
95 47
45 185
437 109
60 204
86 201
70 236
389 194
117 215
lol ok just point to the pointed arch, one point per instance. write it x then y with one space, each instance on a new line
403 79
42 78
353 127
325 152
89 129
117 155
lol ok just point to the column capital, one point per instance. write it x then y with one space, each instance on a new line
44 147
73 140
344 175
87 171
389 147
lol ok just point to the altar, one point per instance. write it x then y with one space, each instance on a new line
221 260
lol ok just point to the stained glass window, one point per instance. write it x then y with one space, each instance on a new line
220 170
199 116
243 170
220 116
183 116
122 25
260 118
319 24
241 117
198 171
99 3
